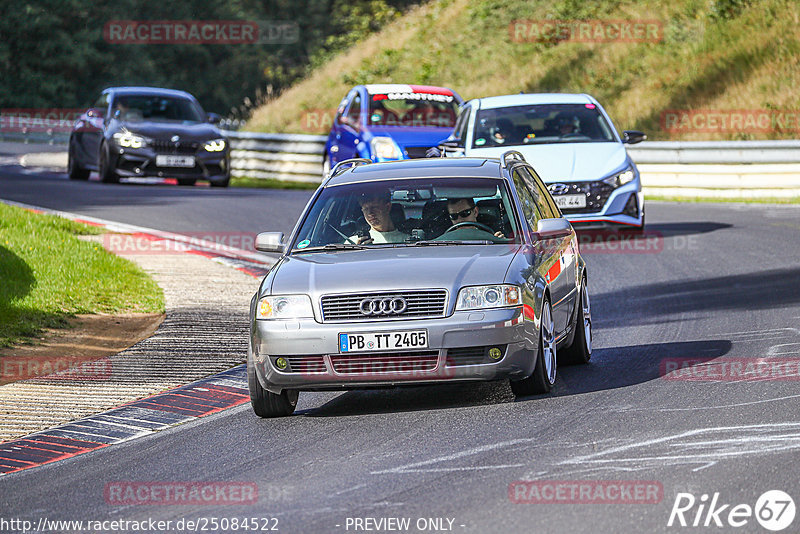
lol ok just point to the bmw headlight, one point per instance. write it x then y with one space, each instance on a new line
385 149
284 307
482 297
217 145
618 180
130 140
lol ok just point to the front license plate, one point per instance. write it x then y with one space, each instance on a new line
175 161
570 201
414 339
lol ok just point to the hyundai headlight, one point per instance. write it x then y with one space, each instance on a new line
483 297
385 149
217 145
284 307
130 140
618 180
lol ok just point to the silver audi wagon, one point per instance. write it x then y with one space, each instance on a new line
419 272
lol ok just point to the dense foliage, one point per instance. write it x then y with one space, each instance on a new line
53 53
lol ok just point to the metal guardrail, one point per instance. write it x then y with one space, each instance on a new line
672 168
286 157
722 152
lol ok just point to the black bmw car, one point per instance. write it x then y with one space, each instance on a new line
147 131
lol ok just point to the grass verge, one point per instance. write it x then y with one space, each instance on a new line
49 275
269 183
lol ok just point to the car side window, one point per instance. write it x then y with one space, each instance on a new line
530 207
354 111
549 207
102 102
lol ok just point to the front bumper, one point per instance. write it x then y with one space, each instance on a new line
316 363
141 162
624 207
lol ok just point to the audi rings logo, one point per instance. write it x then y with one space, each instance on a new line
384 306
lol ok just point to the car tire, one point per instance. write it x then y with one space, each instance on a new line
74 170
544 374
187 181
580 351
268 404
107 174
221 183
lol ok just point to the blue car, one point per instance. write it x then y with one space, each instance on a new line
389 122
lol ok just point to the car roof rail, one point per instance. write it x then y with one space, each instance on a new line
513 155
353 162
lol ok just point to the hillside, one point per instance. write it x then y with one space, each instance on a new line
712 55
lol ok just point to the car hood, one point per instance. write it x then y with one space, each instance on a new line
566 162
412 136
199 131
435 267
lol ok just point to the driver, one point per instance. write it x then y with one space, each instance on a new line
567 125
464 210
376 205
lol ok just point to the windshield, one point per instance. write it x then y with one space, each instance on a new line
541 124
156 108
410 212
413 109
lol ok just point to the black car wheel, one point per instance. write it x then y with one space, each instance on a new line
107 174
266 403
221 183
74 170
186 181
544 374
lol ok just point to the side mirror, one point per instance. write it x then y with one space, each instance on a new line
553 228
95 112
270 242
631 137
213 118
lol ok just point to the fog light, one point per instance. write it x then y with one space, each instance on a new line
281 364
495 353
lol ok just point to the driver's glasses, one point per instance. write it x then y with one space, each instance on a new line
461 214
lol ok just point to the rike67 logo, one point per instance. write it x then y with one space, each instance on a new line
774 510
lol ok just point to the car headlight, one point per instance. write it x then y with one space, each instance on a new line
284 307
618 180
385 149
483 297
217 145
129 140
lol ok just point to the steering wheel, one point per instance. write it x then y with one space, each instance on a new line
573 134
476 224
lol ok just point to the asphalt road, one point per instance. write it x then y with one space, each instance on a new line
711 281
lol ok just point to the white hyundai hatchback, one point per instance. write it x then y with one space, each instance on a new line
571 142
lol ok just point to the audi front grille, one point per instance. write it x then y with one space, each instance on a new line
419 305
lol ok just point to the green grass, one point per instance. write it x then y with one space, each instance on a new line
764 200
269 183
715 55
49 275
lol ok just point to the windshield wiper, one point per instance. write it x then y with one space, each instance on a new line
334 246
453 242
